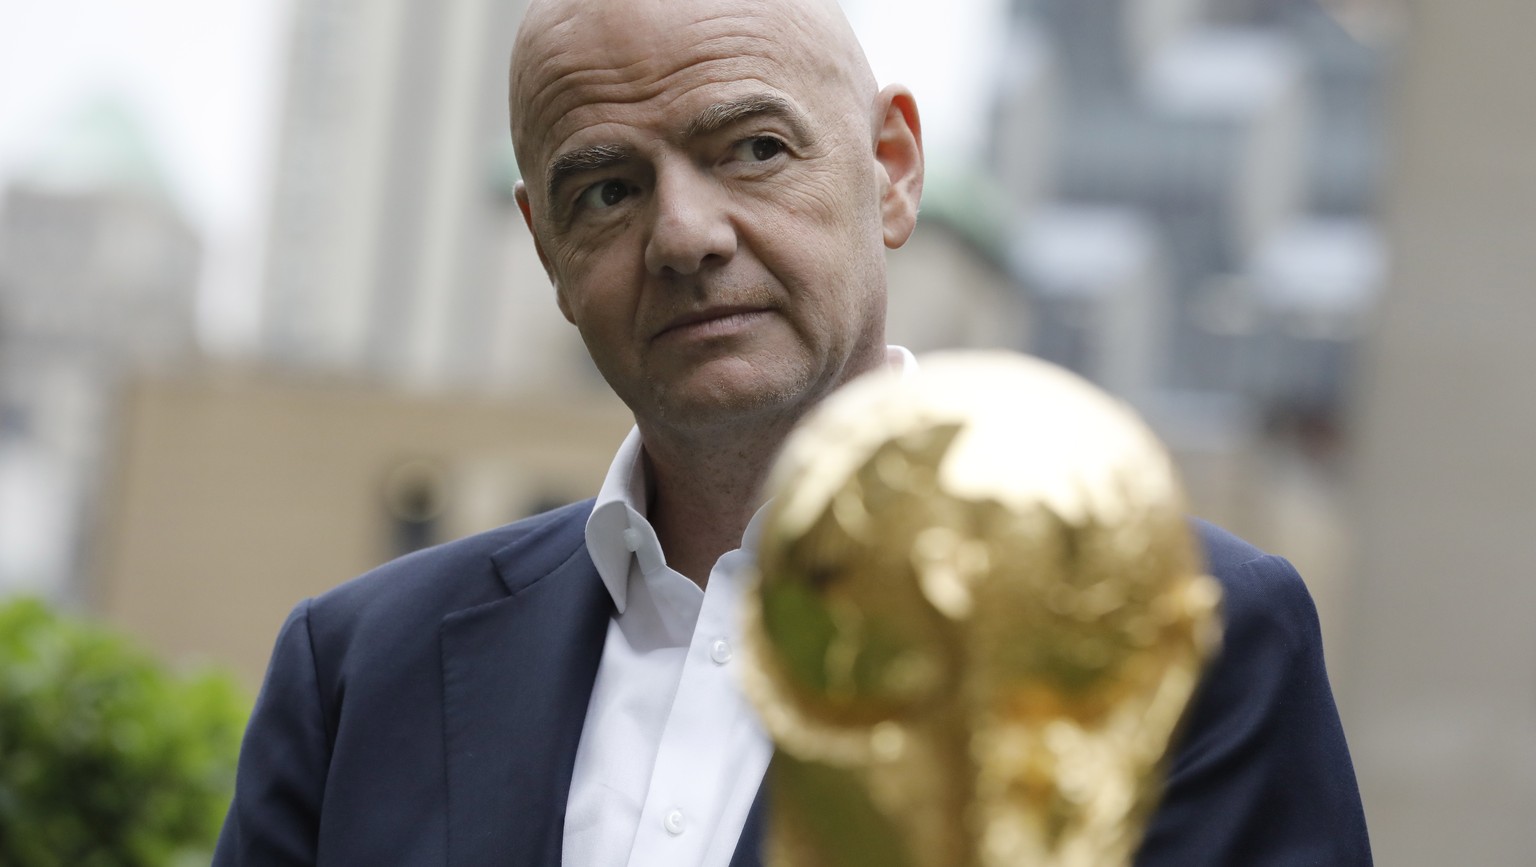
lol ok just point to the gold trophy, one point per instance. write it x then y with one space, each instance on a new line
980 617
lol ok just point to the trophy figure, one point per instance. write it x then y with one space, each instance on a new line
980 617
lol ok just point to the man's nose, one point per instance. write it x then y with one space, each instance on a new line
692 224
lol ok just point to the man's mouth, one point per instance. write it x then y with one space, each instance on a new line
711 322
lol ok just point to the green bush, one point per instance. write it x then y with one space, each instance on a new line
106 758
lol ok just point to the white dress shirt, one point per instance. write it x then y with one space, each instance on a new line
671 754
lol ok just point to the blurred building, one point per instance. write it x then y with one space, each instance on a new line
395 250
98 272
1192 188
1203 217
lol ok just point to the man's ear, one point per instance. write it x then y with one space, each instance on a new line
520 192
899 150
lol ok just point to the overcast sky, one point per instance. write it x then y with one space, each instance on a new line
201 73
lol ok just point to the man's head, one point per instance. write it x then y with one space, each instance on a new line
711 185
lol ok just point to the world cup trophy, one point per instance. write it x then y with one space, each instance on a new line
979 618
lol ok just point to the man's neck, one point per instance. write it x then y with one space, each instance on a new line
702 496
705 485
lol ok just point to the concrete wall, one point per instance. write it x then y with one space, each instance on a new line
1439 645
238 494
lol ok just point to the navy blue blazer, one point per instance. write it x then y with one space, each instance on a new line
428 713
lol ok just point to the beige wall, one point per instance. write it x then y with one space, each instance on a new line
1439 646
238 494
945 293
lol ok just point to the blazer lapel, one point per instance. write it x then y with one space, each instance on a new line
517 676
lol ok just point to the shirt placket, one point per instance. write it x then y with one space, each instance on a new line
699 762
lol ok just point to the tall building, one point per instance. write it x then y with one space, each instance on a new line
395 249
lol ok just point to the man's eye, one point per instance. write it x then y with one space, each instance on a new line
759 149
605 194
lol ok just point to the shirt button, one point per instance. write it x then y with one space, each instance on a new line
720 651
674 822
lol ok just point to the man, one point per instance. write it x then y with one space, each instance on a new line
711 185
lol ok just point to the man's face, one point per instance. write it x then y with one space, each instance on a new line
705 192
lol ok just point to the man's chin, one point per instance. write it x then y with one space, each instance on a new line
716 400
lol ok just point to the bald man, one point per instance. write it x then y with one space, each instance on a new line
711 186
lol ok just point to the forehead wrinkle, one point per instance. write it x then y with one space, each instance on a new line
574 54
602 47
573 86
571 107
816 30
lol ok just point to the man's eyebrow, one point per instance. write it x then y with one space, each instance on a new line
587 159
723 114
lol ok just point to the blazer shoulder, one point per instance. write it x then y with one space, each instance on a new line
1269 618
1262 773
1223 550
428 584
1250 577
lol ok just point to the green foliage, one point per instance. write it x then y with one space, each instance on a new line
106 758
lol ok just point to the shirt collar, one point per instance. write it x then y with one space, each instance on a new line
618 531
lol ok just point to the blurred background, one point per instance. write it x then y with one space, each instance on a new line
269 315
